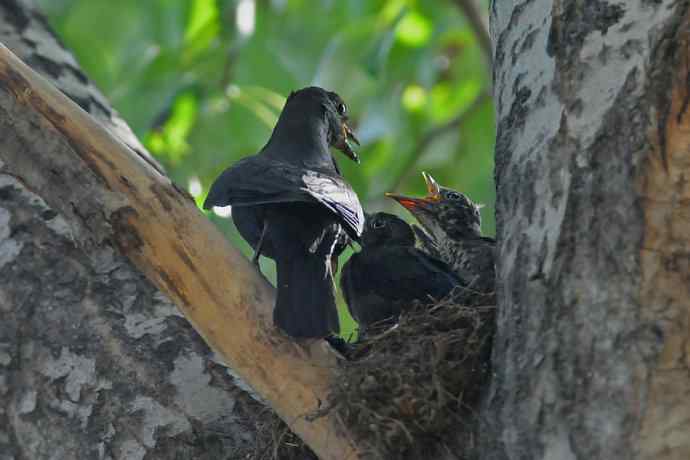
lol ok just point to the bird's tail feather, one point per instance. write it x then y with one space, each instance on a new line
305 305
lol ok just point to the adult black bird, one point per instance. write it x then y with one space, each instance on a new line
454 221
291 204
389 273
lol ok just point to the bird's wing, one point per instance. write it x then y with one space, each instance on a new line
346 279
254 180
366 304
257 180
337 195
434 268
485 255
480 251
474 262
405 273
426 242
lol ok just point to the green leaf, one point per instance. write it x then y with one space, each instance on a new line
170 141
414 29
203 26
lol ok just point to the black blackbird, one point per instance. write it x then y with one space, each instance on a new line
291 204
454 222
389 273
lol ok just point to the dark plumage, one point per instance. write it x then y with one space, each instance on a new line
426 242
291 204
389 273
454 221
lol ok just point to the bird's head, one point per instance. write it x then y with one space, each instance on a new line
329 107
443 212
382 228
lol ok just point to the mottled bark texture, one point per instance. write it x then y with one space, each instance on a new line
592 167
95 363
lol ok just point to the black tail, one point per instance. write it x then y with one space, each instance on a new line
305 306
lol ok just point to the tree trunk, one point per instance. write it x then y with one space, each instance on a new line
115 200
592 167
95 362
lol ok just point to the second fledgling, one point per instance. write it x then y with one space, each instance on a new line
389 273
454 222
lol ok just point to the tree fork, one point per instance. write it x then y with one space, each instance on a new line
120 197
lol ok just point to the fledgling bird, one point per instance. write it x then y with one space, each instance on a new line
389 273
290 203
426 242
454 221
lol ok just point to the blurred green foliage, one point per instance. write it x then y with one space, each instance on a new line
201 82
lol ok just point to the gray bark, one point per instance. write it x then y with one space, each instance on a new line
94 361
581 92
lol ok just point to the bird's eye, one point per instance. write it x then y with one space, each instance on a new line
453 196
378 224
342 108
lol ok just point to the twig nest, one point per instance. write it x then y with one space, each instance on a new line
411 390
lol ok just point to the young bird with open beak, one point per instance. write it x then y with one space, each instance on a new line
454 221
291 204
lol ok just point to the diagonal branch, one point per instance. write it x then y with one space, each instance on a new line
109 193
428 138
469 9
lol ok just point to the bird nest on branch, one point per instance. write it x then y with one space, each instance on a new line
275 441
411 391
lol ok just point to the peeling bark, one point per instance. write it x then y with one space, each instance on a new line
590 357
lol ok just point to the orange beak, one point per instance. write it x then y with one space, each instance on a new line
411 203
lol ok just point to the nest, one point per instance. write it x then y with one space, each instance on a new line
275 441
411 391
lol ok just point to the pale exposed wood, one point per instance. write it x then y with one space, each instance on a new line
665 260
164 234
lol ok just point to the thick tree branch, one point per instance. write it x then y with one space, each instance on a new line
122 198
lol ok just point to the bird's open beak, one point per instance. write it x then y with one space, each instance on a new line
432 188
412 203
344 143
